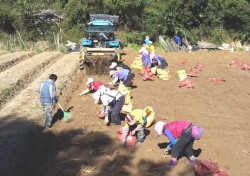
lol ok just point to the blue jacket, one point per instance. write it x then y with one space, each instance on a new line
177 40
47 91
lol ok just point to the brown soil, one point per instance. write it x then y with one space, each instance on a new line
85 146
98 65
3 52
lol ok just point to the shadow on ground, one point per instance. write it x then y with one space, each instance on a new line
26 149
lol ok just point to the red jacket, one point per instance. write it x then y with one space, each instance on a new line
95 85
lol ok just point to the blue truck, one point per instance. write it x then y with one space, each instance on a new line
100 47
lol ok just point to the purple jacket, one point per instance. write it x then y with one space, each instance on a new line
146 60
122 74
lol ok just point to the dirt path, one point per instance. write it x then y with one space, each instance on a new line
85 146
64 68
21 117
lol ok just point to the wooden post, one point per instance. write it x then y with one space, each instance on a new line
20 38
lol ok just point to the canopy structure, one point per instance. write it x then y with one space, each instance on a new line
100 26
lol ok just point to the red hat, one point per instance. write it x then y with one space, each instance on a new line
130 120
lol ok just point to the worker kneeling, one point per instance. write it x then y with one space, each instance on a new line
135 123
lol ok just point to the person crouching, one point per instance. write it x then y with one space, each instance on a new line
182 135
112 102
123 75
135 123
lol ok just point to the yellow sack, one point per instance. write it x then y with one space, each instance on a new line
127 108
150 116
122 88
124 91
154 70
163 74
127 98
182 74
137 63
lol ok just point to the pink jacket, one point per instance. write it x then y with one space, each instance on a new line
176 127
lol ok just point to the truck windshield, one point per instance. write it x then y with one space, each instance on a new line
106 29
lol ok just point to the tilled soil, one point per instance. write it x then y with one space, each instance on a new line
21 118
85 146
21 75
2 52
7 60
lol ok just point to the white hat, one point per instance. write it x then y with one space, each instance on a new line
111 73
159 127
96 96
90 80
113 65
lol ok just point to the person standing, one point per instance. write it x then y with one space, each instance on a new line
177 40
48 98
147 39
146 72
181 135
151 49
143 49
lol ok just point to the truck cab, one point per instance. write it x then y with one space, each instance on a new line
100 32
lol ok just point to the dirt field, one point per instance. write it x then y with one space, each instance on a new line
85 146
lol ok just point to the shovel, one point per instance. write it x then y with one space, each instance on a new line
66 115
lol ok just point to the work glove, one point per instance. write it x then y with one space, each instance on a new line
106 119
166 151
101 115
110 83
84 92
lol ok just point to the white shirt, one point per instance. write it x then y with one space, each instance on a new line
143 50
107 97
